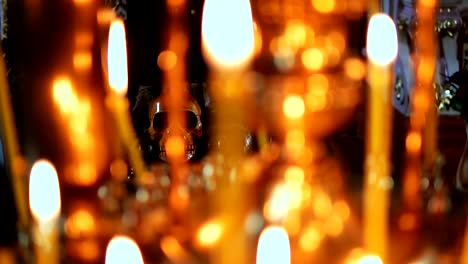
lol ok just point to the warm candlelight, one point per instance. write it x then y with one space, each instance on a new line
45 204
116 100
273 246
123 250
228 47
382 48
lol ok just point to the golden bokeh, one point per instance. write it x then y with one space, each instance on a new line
324 6
313 59
209 234
167 60
293 106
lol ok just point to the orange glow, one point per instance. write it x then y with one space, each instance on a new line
82 60
313 59
44 191
342 210
293 106
105 16
317 81
382 41
333 226
317 97
295 139
413 142
227 33
86 174
87 250
295 34
80 223
84 39
117 58
81 2
64 95
294 174
209 234
175 3
175 147
258 39
273 246
310 239
407 221
119 169
173 250
355 69
322 205
337 40
324 6
167 60
122 249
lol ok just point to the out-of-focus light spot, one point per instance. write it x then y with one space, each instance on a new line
407 221
355 69
175 147
369 259
333 226
173 250
81 2
294 174
209 234
342 209
84 39
86 174
317 99
324 6
284 59
293 106
310 239
167 60
337 40
64 95
105 16
295 139
277 208
413 142
313 59
295 34
82 60
322 205
273 246
80 223
119 169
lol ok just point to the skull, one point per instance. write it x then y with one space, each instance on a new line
160 127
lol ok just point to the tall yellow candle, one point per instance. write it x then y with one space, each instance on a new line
116 100
228 48
123 250
45 204
382 48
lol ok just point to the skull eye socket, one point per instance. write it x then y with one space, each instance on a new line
161 120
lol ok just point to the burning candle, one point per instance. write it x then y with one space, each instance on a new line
228 47
123 250
382 48
273 246
45 203
116 100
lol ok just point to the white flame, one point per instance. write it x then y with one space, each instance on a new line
117 58
382 40
123 250
44 191
273 246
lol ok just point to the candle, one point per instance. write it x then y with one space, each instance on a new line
382 48
123 250
228 44
116 100
273 246
45 203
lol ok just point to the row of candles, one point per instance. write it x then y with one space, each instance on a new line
229 56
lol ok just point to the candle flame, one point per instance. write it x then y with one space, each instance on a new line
117 58
122 249
228 33
370 259
382 40
273 246
44 191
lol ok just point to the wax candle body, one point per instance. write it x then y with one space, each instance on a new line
377 160
46 241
